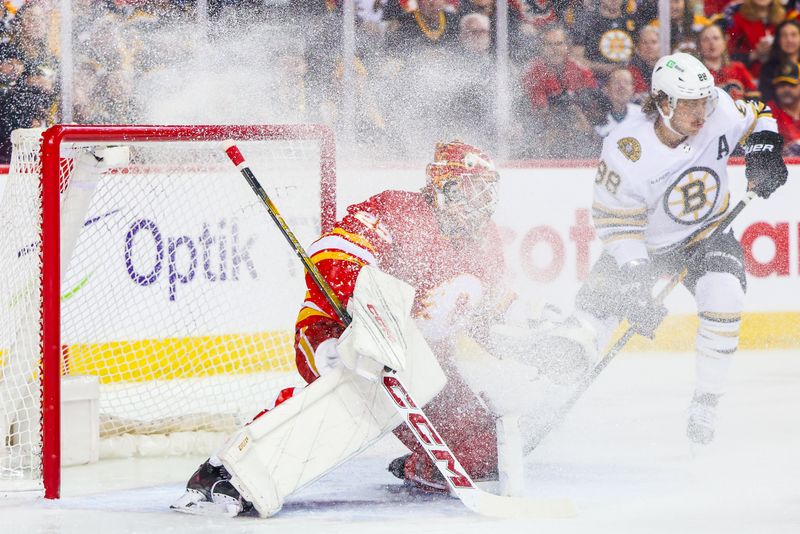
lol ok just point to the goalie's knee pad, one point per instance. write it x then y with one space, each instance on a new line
561 351
568 351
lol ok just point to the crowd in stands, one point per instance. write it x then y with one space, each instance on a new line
424 69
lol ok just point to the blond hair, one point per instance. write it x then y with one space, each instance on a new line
651 103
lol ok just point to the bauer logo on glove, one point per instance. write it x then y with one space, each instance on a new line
764 166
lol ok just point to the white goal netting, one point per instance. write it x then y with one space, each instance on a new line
177 291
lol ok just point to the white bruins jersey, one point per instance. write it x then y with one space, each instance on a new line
650 199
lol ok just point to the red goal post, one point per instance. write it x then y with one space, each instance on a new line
55 168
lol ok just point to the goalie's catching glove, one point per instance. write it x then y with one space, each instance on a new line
764 166
642 311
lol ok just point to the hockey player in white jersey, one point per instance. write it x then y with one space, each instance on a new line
661 188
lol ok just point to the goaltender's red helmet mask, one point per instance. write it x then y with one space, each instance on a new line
462 182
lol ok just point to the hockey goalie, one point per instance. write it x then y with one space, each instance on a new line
437 257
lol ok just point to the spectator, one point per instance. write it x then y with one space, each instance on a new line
618 90
11 67
683 37
604 37
785 49
369 19
551 82
552 73
29 34
647 11
369 13
475 34
104 61
786 107
27 76
732 76
432 23
751 30
714 7
487 8
25 99
530 16
643 61
540 13
7 12
526 18
469 110
684 24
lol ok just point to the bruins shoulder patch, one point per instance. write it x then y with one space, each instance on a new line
630 148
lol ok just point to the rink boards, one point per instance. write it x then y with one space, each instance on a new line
544 217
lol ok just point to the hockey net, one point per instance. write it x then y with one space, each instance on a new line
175 291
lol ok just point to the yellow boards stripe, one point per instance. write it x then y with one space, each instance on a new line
759 331
195 357
192 357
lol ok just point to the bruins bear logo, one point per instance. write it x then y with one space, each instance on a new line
630 148
692 197
616 45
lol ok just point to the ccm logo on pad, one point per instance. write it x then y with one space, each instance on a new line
381 323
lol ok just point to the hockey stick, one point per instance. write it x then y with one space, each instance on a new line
587 381
460 483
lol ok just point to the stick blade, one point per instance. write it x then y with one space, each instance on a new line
490 505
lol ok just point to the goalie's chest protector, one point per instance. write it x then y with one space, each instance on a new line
684 189
433 263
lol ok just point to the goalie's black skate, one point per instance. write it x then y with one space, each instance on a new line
397 467
416 471
418 474
210 492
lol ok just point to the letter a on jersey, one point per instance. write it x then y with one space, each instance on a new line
722 147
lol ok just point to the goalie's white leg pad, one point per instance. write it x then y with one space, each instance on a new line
332 419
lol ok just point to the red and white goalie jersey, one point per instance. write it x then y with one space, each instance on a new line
399 232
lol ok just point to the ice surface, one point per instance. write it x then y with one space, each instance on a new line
621 457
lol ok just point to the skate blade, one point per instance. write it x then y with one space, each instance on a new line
194 503
701 451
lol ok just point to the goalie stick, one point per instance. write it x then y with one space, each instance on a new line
589 379
460 483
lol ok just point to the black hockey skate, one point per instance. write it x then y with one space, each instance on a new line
210 492
424 476
397 467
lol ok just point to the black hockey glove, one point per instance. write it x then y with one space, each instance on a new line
644 314
764 165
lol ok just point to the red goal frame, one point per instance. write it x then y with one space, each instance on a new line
50 281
